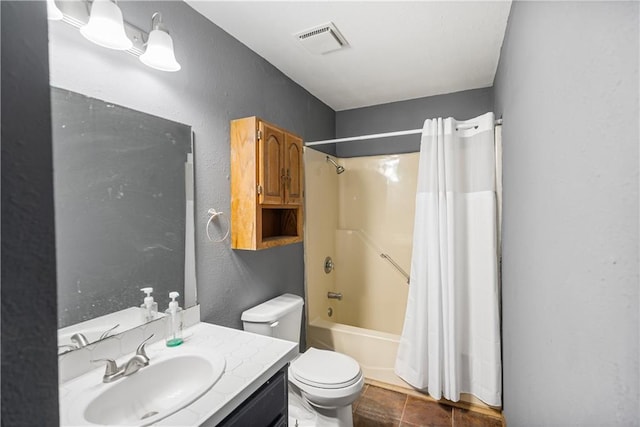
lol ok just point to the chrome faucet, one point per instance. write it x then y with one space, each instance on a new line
138 361
79 340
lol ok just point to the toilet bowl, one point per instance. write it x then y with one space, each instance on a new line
326 379
322 384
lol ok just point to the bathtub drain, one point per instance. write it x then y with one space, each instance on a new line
330 311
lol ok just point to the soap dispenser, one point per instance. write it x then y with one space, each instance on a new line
174 321
149 308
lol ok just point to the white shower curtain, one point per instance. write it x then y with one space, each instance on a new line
450 343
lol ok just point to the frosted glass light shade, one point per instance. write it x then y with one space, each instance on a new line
105 27
53 13
159 53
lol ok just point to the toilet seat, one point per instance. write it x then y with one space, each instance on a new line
324 369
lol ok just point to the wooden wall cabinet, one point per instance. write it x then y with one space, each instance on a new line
267 183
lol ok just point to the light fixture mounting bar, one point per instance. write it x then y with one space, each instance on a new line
76 14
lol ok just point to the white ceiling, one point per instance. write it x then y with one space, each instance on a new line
397 49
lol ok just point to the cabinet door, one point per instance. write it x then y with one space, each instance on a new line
267 407
294 180
271 157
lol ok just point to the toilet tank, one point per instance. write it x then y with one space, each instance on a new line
279 317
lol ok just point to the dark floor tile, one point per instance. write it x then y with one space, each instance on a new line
380 404
372 420
354 406
465 418
423 413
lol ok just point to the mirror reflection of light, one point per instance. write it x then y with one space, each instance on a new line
389 168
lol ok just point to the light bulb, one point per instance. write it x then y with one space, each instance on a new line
159 53
106 27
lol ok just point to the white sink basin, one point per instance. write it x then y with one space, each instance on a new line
173 380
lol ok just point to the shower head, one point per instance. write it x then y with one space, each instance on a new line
339 169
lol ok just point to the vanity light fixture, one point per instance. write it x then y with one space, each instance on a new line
53 12
106 27
101 22
159 53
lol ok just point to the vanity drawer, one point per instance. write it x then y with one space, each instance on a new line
267 407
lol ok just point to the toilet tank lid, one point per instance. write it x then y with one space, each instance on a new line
272 310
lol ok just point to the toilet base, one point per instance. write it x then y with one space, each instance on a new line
303 414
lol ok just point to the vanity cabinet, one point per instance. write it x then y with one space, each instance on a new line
267 185
267 407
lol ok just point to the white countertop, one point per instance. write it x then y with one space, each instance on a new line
250 361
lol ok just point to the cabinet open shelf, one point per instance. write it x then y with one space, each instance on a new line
279 223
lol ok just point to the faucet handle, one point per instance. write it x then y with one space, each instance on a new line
140 350
111 368
105 334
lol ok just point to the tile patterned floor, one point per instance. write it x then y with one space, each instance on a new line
379 407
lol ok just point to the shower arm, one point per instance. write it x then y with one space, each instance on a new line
397 267
339 169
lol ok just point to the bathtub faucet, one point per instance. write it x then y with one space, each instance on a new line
334 295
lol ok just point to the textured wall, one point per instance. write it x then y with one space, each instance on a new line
404 115
567 86
220 80
29 361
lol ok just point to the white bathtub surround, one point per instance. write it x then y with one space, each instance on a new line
249 360
353 218
450 342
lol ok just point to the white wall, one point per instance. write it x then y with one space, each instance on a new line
567 87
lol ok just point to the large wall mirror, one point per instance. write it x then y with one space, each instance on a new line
123 188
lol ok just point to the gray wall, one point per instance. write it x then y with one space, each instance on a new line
29 353
220 80
567 85
404 115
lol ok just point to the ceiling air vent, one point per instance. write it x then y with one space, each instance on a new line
322 39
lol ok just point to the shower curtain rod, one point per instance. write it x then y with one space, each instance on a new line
381 135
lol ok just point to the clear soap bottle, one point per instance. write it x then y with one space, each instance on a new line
174 322
149 308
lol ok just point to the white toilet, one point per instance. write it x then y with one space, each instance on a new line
322 384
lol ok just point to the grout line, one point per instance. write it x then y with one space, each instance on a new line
406 399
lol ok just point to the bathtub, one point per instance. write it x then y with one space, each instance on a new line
375 351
